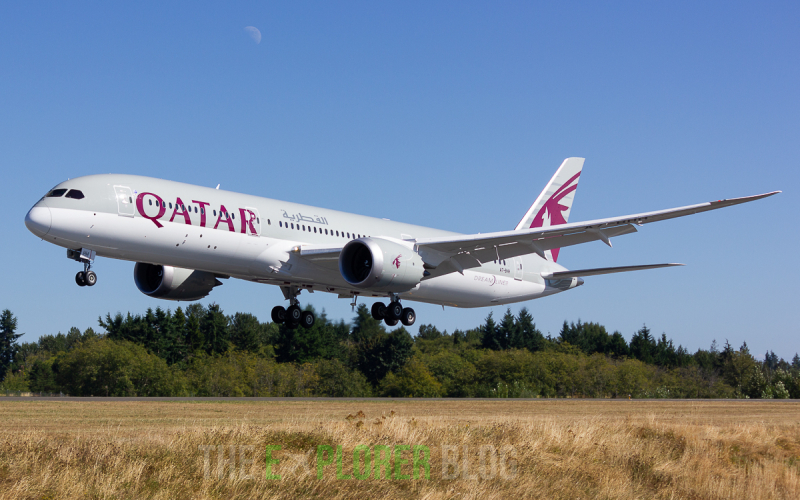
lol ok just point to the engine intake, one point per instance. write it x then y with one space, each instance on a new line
380 264
173 283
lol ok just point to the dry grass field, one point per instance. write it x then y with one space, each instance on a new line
492 449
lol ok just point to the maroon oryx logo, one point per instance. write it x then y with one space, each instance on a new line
554 208
396 261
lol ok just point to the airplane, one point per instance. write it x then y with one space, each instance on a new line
185 238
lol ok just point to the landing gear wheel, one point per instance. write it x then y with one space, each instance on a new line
90 278
408 317
293 315
378 311
278 314
394 311
390 322
80 279
307 319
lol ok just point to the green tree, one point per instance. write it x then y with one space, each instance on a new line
194 336
8 341
337 380
740 370
245 331
41 377
617 346
643 346
491 334
382 353
412 380
526 335
214 329
302 345
114 368
456 374
507 329
181 349
429 332
365 326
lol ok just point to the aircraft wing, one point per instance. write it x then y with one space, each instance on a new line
456 253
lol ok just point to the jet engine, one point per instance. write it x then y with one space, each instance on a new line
380 264
173 283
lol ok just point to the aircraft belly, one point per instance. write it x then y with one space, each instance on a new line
474 289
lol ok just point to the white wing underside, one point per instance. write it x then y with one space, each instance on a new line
457 253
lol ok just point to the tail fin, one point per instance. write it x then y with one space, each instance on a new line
553 205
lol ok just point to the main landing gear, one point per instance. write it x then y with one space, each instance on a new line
87 277
393 313
293 316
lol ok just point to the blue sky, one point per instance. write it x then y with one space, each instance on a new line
447 114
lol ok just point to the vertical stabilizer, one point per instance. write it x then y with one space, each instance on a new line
554 204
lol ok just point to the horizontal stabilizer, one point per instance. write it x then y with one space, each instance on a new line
580 273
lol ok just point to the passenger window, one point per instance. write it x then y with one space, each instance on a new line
337 233
215 213
348 235
326 231
195 209
315 229
269 222
76 195
202 210
280 223
151 202
170 205
233 216
292 225
56 193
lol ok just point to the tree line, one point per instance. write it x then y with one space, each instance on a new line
200 351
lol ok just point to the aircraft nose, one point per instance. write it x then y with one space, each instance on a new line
38 220
580 282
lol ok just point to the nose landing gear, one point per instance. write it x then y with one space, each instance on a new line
393 313
87 277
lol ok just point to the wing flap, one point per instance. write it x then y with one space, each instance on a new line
316 253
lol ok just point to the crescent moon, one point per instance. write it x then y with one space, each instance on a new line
254 33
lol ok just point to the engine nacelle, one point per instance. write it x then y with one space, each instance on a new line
381 265
173 283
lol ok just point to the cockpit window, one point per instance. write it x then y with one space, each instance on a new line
56 193
74 193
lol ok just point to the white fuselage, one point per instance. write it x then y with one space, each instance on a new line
143 219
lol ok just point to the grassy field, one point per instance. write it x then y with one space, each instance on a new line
473 449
